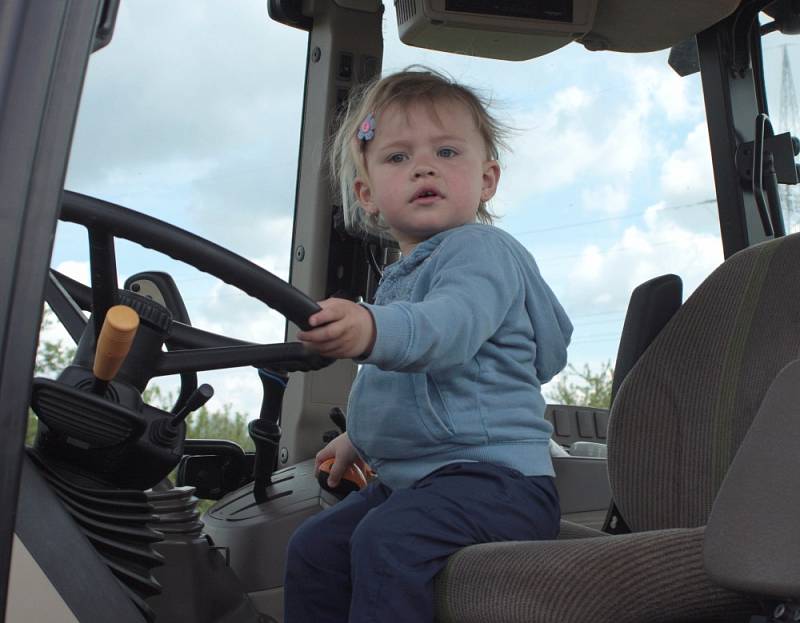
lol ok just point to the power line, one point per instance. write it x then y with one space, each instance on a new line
611 218
205 277
604 254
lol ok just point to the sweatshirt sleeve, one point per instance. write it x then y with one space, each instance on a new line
475 282
553 331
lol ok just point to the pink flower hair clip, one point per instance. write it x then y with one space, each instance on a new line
366 131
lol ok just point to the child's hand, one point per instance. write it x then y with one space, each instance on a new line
344 455
341 330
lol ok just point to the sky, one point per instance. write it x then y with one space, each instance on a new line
192 114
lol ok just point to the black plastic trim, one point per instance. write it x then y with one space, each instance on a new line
290 13
731 100
44 50
105 25
652 305
102 259
52 537
291 357
65 307
209 350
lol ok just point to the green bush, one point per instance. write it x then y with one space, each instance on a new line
591 389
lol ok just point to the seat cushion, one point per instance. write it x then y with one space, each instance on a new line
571 530
652 576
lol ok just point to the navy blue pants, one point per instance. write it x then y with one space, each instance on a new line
373 556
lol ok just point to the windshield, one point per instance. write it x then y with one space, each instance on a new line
608 182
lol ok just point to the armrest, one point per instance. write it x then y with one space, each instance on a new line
582 484
751 541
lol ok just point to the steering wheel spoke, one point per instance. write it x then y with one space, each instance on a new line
290 357
103 265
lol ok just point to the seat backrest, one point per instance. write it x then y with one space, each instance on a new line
652 305
685 407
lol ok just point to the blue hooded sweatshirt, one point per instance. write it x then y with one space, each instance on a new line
466 333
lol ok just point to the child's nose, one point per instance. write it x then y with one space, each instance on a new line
424 170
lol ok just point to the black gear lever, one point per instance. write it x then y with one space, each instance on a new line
265 431
196 399
167 431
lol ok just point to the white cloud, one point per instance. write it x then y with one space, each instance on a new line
570 101
601 279
221 308
551 149
578 138
680 98
196 131
611 199
79 271
241 388
687 174
603 133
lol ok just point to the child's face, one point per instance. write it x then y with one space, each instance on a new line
426 174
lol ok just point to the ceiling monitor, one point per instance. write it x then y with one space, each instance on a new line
503 29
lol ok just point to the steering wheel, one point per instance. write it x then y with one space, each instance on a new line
192 349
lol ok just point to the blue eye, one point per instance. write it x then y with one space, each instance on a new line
447 152
396 158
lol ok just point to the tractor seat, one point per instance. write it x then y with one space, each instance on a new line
675 426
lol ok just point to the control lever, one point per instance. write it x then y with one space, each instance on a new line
164 432
116 336
337 417
196 399
266 432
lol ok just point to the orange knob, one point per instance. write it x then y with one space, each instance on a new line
352 479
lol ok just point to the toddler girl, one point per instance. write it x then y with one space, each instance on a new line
447 407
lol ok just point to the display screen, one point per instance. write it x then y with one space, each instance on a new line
555 10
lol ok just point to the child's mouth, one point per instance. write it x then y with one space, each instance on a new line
425 196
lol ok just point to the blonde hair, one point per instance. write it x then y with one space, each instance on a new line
412 85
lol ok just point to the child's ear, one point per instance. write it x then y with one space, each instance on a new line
491 177
364 196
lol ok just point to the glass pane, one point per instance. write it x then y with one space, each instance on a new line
609 182
192 115
781 61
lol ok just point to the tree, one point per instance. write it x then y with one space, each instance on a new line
51 357
592 389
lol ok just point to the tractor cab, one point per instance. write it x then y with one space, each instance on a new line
165 197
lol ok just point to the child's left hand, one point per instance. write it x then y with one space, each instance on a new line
342 329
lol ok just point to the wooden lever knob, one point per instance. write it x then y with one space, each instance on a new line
116 337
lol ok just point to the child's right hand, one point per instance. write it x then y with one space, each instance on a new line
344 455
341 329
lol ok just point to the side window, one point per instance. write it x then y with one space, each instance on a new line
609 180
781 67
192 115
